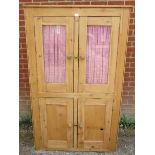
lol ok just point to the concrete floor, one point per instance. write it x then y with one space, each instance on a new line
126 145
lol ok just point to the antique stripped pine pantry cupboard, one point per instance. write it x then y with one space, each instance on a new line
76 60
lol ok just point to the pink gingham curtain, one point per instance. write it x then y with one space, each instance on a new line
54 46
97 56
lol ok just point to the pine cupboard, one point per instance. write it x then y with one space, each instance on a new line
76 57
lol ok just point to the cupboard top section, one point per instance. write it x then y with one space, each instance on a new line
93 11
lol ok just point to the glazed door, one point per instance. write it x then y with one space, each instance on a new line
54 51
98 42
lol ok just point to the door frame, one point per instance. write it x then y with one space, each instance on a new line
32 11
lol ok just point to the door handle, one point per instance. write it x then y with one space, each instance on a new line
82 57
75 57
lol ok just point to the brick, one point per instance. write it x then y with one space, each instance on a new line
22 60
21 17
132 93
24 98
132 64
48 3
128 54
25 0
22 93
20 6
98 3
24 89
132 74
60 0
131 49
21 28
21 85
21 76
116 2
82 3
130 33
21 12
24 56
129 70
32 3
125 93
132 21
22 40
126 83
25 66
129 44
132 15
126 64
40 0
131 83
22 50
22 70
131 38
130 2
65 3
24 45
131 26
27 85
22 23
126 74
23 80
22 34
129 78
130 59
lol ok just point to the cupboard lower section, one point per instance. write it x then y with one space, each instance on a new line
86 128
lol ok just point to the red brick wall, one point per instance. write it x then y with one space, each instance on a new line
129 78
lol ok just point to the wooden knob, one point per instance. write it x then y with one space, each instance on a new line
80 125
69 125
82 57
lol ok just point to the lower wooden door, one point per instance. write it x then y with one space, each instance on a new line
94 123
56 116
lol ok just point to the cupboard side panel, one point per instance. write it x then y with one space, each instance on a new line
30 41
119 78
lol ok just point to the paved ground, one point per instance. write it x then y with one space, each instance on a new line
126 145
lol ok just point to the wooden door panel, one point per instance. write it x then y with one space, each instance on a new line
54 52
56 122
98 41
94 121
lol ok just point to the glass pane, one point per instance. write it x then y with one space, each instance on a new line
97 56
54 46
